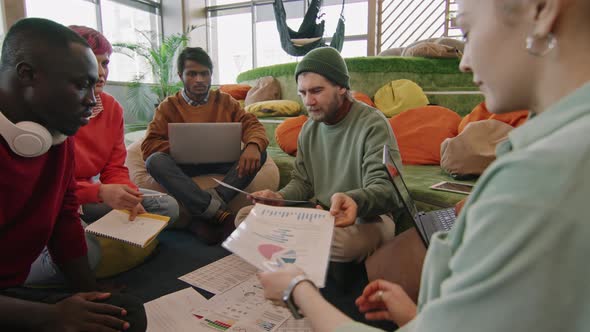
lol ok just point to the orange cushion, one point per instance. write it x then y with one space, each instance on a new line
420 131
238 91
480 112
287 133
362 97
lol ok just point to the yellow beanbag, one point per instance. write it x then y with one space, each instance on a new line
118 257
398 96
274 108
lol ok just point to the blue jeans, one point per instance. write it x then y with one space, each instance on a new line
45 272
176 179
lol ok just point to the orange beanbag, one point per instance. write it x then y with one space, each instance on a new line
363 98
237 91
420 131
480 112
287 134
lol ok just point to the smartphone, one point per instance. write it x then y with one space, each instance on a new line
454 187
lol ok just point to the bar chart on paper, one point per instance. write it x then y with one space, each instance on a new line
242 308
271 236
279 235
302 214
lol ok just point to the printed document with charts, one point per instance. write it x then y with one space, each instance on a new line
274 235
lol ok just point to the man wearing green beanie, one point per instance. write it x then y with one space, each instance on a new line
339 159
327 62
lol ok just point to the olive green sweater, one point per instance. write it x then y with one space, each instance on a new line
346 157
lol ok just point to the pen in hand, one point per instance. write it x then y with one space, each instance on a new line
154 195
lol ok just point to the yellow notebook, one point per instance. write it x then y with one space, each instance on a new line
139 232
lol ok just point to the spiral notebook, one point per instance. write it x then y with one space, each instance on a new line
139 232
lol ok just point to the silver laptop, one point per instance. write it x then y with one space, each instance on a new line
205 143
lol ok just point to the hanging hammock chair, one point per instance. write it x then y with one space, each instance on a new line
310 34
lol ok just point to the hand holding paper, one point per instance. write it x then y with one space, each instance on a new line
299 236
344 209
267 197
275 282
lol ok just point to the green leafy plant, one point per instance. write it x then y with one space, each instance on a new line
161 57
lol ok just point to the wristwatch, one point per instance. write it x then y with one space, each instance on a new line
288 295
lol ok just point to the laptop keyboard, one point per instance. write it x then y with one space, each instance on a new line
446 217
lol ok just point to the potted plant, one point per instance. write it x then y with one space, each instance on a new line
161 58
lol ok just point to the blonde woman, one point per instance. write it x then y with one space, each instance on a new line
516 259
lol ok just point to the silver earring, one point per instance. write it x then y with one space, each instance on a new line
540 46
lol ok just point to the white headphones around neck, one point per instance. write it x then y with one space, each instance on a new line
26 138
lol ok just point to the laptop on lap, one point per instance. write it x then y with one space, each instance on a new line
427 223
205 143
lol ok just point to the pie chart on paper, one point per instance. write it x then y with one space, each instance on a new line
288 256
268 250
274 252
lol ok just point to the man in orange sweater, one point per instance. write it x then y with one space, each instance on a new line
196 103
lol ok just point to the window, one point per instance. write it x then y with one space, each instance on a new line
231 46
120 23
118 20
66 12
2 23
244 35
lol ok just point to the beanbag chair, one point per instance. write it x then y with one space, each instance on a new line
398 96
266 88
287 133
474 148
274 108
431 50
420 131
237 91
118 257
362 98
480 112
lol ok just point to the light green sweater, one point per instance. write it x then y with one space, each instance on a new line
345 157
517 257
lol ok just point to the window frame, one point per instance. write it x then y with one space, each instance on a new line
149 6
250 6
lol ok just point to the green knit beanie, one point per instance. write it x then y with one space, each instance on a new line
327 62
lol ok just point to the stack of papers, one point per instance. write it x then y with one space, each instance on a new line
241 307
269 237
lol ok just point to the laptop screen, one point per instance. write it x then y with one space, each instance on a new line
398 181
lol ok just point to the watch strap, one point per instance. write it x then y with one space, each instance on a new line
288 295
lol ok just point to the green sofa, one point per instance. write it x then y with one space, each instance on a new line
440 79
